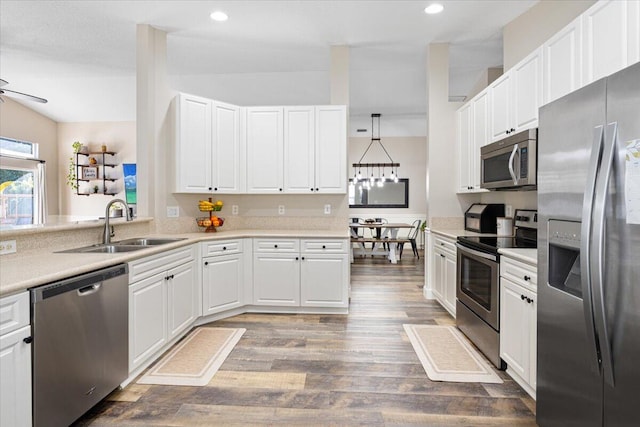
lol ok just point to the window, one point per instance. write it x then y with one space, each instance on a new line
391 195
22 195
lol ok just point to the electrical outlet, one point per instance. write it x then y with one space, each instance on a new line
234 209
508 211
327 209
173 211
8 247
280 209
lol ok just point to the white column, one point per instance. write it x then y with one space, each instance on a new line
339 75
153 99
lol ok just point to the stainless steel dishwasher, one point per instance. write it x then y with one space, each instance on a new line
80 343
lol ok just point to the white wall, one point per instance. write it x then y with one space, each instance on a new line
117 136
441 159
411 153
22 123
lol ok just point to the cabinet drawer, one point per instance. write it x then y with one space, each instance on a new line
276 245
147 267
14 312
324 246
519 272
445 244
221 247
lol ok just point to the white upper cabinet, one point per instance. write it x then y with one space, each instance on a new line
265 145
331 149
514 98
562 68
193 144
500 109
209 156
464 138
299 149
228 154
527 91
610 38
311 145
472 134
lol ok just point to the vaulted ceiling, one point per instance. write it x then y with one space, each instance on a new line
81 55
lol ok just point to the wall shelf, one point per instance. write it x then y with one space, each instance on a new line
104 162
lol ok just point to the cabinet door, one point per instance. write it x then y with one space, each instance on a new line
562 56
15 375
276 279
514 328
222 283
183 298
264 133
479 136
147 319
464 142
500 107
438 274
450 263
532 308
527 91
324 280
331 149
299 149
227 153
193 145
605 39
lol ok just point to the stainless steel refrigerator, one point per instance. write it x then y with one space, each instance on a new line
589 255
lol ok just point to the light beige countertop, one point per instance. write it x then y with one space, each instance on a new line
19 272
529 256
454 233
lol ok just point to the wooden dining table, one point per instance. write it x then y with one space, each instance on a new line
388 233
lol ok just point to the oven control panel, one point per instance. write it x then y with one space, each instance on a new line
526 218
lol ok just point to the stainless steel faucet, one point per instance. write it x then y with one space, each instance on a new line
108 234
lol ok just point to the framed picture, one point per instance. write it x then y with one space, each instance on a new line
90 172
129 170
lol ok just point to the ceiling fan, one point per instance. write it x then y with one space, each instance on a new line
18 95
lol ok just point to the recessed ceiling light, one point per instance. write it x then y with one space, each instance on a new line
219 16
434 8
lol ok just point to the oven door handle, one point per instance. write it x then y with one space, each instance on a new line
484 255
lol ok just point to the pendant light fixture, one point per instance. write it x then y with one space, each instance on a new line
370 181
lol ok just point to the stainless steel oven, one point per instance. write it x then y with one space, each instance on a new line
477 284
478 302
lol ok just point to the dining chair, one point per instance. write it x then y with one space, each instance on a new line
411 237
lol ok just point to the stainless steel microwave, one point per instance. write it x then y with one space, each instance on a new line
511 163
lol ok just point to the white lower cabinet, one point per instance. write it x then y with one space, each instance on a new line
444 263
518 328
163 302
223 276
15 361
301 273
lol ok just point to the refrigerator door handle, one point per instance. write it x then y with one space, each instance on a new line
585 246
511 162
597 255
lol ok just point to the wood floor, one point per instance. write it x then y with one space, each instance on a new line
357 369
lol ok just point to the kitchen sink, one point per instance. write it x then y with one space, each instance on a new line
104 249
128 245
147 241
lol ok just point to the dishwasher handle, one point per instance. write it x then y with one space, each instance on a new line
84 284
88 290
